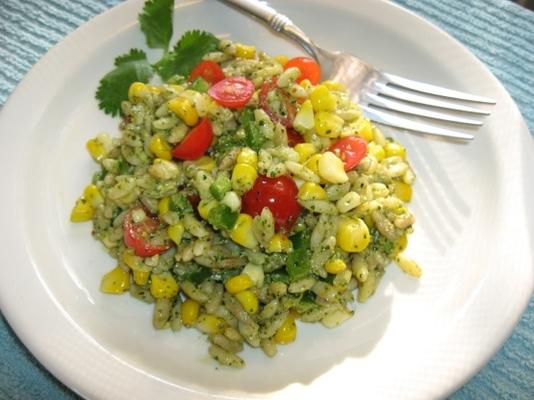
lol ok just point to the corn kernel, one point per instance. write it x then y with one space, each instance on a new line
242 233
154 89
401 244
248 300
175 232
92 194
353 235
82 211
327 124
313 163
331 168
335 86
376 150
280 244
184 109
394 149
163 286
164 206
210 324
305 118
115 281
402 190
287 332
205 163
305 151
281 59
243 177
322 99
238 283
189 312
408 265
244 51
99 146
311 191
335 266
255 272
365 129
205 206
137 90
247 156
141 277
159 147
134 262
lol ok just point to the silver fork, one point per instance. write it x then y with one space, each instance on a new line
382 96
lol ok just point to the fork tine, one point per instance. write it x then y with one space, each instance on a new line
435 90
422 112
415 98
403 123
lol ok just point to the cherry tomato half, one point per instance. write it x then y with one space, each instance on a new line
293 138
277 194
288 108
137 236
309 69
195 144
233 92
208 70
351 150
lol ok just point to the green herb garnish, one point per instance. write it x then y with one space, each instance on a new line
156 23
298 264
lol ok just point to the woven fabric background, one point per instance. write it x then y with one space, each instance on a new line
499 32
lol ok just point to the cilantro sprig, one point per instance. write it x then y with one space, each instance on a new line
156 22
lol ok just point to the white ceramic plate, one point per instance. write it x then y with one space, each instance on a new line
413 340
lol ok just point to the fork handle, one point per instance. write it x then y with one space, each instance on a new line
276 21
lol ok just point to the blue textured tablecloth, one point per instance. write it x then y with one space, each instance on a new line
499 32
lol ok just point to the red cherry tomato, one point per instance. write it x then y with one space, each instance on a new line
210 71
195 144
309 69
289 108
293 138
277 194
137 235
234 92
351 150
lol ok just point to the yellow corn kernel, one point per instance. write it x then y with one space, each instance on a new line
255 272
115 281
305 83
408 265
311 191
242 233
189 311
247 156
82 211
163 286
243 177
92 194
322 99
175 232
335 86
238 283
141 277
154 89
335 266
365 129
159 147
205 206
184 109
137 90
210 324
287 332
205 163
376 150
280 244
402 190
132 261
248 300
394 149
327 124
281 59
164 206
96 148
305 151
401 244
305 118
331 168
353 235
244 51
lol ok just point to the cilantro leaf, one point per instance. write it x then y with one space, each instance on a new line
254 138
156 23
298 264
113 87
186 54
